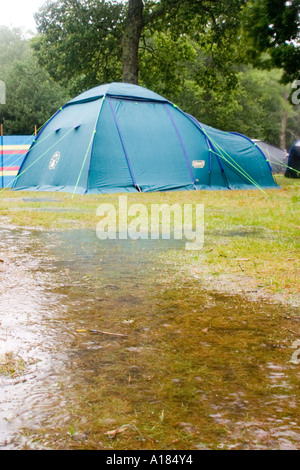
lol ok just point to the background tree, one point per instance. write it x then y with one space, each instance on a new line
79 43
273 26
14 46
196 53
100 41
31 94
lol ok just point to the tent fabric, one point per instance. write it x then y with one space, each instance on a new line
293 169
277 157
125 138
12 153
118 90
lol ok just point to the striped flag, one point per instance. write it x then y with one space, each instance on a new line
12 154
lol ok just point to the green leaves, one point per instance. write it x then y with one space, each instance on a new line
196 53
32 96
80 42
274 26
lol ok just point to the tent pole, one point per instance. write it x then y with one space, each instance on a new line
2 161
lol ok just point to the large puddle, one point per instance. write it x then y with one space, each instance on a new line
112 349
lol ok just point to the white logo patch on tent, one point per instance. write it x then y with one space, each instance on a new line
198 163
54 160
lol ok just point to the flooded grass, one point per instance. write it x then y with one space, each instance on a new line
11 365
249 234
144 345
133 355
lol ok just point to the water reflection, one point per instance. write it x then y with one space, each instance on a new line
123 352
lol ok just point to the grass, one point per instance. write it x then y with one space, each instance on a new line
250 236
185 359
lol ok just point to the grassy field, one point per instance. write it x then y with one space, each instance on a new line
251 237
187 357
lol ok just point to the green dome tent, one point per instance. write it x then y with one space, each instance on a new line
123 138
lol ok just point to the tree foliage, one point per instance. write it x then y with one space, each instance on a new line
196 53
274 26
80 41
31 94
86 42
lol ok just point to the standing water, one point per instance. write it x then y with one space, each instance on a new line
103 345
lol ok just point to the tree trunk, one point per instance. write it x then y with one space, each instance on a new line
284 119
283 130
131 39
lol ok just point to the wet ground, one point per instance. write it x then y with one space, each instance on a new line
113 349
